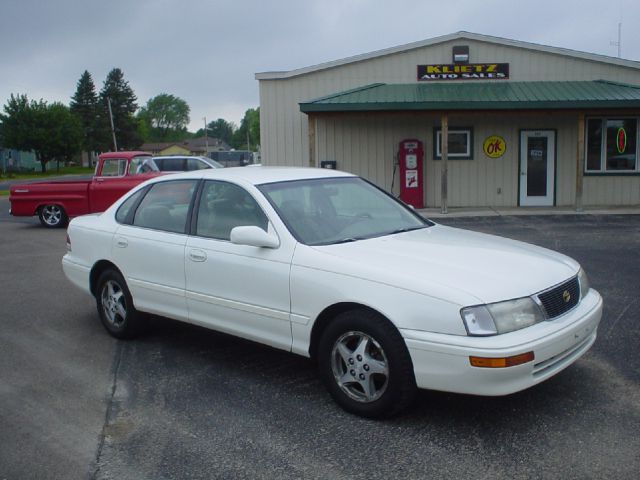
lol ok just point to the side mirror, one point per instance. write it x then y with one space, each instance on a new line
254 237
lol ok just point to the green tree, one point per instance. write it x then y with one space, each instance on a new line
220 129
17 123
166 117
84 104
123 106
51 131
249 131
65 130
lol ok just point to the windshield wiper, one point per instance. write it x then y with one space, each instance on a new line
347 240
406 229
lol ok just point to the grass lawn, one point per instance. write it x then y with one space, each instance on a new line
50 173
4 193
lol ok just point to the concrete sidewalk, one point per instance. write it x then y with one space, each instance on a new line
510 211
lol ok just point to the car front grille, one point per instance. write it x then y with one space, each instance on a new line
561 298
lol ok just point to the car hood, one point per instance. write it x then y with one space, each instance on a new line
456 265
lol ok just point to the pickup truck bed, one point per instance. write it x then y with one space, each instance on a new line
72 193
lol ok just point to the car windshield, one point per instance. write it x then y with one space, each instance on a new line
212 162
327 211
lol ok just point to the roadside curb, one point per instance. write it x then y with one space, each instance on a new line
523 211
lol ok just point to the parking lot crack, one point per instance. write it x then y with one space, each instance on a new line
622 313
109 414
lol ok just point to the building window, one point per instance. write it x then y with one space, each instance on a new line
460 144
611 145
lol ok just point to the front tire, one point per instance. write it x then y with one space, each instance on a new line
52 216
115 306
365 365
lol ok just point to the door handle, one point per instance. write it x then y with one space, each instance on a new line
197 256
122 242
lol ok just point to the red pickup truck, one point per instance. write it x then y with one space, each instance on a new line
57 201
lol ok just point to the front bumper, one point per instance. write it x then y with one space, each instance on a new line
441 362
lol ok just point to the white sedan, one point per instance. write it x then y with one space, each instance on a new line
324 264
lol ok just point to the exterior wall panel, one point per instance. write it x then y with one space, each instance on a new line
367 145
604 190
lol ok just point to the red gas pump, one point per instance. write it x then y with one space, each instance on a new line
411 172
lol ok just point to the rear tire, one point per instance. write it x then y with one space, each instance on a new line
52 216
115 306
365 365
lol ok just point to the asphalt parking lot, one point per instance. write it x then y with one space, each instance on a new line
184 402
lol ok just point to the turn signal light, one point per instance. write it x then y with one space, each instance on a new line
502 362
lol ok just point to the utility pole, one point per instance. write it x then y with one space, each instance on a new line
206 139
619 42
113 131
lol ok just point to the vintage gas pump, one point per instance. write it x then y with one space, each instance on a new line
411 172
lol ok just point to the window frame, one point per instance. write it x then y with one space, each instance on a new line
119 160
128 218
133 211
602 171
437 143
193 230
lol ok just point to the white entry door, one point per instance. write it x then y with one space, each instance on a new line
537 167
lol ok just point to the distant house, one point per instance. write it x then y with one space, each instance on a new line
193 146
165 148
15 160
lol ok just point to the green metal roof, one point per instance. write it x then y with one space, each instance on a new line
501 95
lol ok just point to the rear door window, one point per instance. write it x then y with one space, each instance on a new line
166 206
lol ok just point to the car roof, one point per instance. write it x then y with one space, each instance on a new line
209 161
181 156
123 154
261 175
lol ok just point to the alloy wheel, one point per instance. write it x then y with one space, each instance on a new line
114 304
360 366
52 215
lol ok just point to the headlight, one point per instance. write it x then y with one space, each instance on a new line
478 321
584 283
501 317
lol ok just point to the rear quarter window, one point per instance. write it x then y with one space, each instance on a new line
123 211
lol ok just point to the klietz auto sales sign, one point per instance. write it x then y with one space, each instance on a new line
469 71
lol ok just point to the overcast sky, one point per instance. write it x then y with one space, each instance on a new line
207 51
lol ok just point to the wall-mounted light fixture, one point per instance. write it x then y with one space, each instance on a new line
461 54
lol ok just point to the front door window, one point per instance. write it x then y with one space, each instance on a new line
537 168
537 152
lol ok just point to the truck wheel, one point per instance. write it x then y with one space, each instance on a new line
115 306
52 216
365 365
